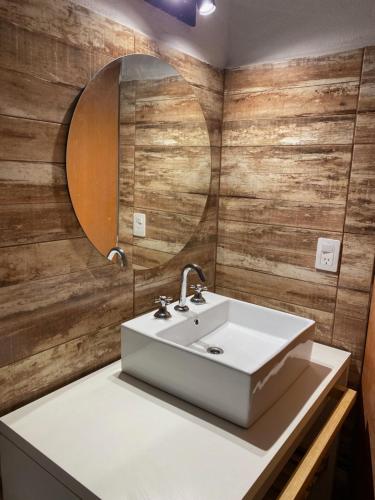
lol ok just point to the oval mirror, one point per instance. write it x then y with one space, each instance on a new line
139 161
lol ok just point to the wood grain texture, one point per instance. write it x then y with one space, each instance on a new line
61 302
32 182
289 131
360 216
294 174
342 67
288 178
368 378
278 250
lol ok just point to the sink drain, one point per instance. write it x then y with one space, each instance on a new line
215 350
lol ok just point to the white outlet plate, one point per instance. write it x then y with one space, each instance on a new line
327 254
139 225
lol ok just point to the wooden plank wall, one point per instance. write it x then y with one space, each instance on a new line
298 164
165 150
61 303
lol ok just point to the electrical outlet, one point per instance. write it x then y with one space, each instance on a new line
327 254
139 225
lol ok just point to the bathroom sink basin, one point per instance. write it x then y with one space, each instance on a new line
229 357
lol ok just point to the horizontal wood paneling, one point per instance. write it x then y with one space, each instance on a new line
31 140
286 173
71 23
278 250
285 213
298 292
32 182
292 102
289 131
361 201
343 67
30 97
61 303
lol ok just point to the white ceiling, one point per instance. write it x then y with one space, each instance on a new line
253 31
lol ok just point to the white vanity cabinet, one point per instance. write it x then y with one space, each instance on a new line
111 437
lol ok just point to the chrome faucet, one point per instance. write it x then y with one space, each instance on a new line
120 253
181 306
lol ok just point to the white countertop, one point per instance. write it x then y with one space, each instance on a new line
124 440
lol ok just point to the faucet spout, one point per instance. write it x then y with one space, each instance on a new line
120 254
181 306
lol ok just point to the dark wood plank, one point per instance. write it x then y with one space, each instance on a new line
30 140
311 174
367 92
22 263
360 216
37 222
292 102
289 131
41 314
312 295
27 182
327 69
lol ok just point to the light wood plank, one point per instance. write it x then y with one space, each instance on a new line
311 174
276 250
289 131
25 182
193 70
284 213
298 483
360 216
292 102
26 96
327 69
365 128
357 262
315 296
172 169
71 23
350 326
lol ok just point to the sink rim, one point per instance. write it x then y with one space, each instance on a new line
193 314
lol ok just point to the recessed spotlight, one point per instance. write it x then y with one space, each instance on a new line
206 7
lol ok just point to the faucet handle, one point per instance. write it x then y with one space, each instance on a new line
162 312
198 297
163 300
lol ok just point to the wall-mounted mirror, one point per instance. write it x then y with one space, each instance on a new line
139 160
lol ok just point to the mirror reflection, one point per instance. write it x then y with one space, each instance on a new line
139 161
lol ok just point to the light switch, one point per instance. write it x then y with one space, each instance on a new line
327 254
139 225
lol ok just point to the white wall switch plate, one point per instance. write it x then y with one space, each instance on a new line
327 254
139 225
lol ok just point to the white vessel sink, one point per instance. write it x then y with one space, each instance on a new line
260 352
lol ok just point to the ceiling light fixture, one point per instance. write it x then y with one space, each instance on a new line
206 7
